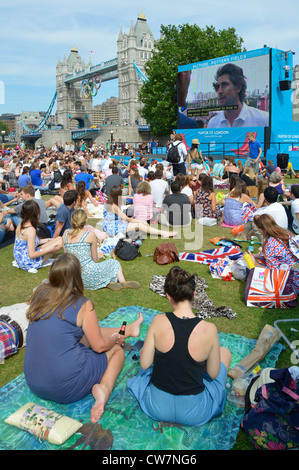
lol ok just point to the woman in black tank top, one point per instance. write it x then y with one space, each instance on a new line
183 368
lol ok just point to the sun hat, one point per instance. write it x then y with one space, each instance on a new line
195 141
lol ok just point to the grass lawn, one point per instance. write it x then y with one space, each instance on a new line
17 286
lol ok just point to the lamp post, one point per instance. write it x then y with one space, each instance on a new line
111 136
3 134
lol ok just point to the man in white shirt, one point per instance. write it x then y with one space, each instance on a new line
159 188
141 169
180 167
231 89
274 208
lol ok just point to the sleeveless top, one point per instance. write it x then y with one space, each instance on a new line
175 371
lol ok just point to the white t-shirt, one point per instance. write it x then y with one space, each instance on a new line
159 188
295 210
276 211
142 171
248 117
188 191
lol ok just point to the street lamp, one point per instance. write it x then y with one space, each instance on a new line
111 136
3 134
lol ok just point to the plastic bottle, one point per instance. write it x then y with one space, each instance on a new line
249 261
251 245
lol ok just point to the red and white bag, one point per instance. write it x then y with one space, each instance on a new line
270 288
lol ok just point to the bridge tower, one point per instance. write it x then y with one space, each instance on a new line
73 109
136 46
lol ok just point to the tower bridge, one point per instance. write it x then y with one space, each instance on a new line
74 107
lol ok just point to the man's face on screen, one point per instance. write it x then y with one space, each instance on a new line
228 93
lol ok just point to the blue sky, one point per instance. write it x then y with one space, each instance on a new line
35 33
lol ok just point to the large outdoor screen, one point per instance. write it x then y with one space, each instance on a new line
227 92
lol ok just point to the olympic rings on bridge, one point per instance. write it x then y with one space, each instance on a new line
91 86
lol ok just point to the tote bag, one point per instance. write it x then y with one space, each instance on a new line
270 288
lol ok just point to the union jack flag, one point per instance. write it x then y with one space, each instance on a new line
210 256
248 213
271 288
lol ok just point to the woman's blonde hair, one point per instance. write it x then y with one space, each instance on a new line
188 180
249 172
143 188
78 220
63 289
262 184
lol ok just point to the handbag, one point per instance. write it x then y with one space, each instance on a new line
166 253
126 250
272 410
270 288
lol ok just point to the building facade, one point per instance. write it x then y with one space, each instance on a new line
73 109
134 47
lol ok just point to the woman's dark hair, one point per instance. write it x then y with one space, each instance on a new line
239 189
115 195
81 188
206 182
295 190
233 180
30 212
68 175
179 284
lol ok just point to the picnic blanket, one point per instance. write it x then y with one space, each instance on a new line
124 426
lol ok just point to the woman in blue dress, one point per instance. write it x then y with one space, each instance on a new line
117 222
83 244
29 251
183 370
235 204
68 355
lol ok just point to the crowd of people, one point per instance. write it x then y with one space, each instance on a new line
181 378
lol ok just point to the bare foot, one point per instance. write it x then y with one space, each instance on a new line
133 330
101 396
168 234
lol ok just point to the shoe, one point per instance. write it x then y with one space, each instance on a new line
115 286
130 285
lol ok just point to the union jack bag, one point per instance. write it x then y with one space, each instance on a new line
270 288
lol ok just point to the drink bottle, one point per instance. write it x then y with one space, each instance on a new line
123 329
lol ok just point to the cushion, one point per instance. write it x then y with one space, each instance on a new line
44 423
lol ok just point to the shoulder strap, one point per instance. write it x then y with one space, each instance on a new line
84 236
65 235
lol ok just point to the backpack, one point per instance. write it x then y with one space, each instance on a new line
166 253
57 176
272 410
173 155
126 250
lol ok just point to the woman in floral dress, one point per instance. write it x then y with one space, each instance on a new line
83 244
205 199
276 253
29 251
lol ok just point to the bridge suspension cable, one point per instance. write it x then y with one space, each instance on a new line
140 73
44 120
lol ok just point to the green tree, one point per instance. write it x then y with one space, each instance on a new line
4 127
179 45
